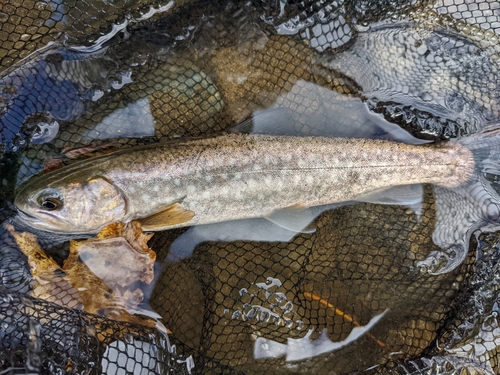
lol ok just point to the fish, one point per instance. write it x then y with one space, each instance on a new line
237 176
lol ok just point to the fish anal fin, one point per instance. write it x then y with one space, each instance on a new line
405 195
297 218
172 215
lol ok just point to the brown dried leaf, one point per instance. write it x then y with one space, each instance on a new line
104 288
89 151
50 282
119 255
68 154
132 232
51 164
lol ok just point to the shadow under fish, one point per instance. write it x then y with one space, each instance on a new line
286 179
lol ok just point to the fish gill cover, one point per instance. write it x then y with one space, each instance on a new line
78 76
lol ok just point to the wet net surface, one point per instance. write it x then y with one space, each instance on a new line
166 70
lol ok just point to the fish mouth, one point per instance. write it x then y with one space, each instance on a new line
28 218
38 223
57 225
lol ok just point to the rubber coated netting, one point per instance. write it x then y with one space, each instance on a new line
87 75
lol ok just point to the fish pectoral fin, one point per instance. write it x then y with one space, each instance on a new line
405 195
173 214
297 218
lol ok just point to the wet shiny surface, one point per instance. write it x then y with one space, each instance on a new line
199 68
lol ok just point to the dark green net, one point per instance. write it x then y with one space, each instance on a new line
80 73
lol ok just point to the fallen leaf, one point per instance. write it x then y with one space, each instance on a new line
99 276
57 161
89 151
50 282
119 255
51 164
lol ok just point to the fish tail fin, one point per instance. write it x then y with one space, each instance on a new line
485 147
464 209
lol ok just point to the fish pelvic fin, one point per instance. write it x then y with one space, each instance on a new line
474 205
172 215
296 218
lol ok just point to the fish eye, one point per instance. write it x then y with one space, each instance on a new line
50 201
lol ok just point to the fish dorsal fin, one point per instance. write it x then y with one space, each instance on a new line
346 117
296 218
173 214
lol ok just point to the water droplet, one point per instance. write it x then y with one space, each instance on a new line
96 95
236 315
7 298
273 281
455 102
425 96
280 297
264 316
41 5
288 306
33 361
45 132
250 314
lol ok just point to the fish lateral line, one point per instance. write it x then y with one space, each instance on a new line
258 171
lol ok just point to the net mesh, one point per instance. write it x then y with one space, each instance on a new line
82 74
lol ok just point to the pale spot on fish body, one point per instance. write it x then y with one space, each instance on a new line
205 194
268 180
297 179
252 184
301 163
145 197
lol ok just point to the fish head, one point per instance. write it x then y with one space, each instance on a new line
76 206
